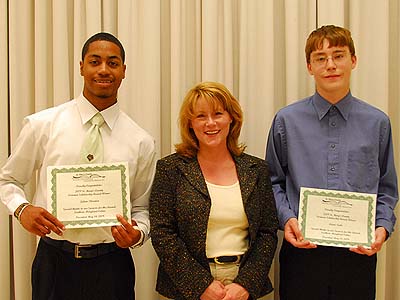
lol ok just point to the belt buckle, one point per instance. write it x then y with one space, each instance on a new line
77 250
223 263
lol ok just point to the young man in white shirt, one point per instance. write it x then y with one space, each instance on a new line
84 263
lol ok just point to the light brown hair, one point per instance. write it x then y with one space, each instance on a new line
216 94
336 36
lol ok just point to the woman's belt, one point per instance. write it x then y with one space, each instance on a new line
234 259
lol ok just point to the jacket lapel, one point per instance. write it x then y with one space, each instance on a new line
247 173
246 169
191 170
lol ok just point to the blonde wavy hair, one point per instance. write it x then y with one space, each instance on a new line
216 94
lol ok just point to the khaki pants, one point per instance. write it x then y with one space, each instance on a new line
225 273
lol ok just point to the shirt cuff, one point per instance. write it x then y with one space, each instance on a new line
13 205
284 216
385 224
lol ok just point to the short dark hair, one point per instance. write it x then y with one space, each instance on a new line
103 36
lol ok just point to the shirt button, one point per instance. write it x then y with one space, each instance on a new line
333 146
333 124
332 169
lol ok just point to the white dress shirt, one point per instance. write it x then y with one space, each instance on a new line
54 137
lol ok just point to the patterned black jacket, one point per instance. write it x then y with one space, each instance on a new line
179 210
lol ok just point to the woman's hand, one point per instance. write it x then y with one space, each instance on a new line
215 291
235 291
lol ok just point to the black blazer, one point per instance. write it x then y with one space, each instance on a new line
179 211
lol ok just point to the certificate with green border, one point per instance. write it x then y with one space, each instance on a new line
89 195
337 218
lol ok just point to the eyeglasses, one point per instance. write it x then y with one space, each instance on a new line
337 59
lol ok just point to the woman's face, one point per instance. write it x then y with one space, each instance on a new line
210 126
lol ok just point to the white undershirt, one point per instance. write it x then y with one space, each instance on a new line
227 226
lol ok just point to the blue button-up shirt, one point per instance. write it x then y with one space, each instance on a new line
346 146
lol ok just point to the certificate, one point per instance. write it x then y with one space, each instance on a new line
88 195
337 218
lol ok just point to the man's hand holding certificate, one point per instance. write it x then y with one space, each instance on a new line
337 218
89 195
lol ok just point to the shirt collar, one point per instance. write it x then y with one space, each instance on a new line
87 111
322 106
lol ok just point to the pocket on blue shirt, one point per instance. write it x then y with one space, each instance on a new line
362 169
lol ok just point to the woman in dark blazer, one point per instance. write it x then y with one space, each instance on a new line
212 211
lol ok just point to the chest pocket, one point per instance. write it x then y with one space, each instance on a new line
362 169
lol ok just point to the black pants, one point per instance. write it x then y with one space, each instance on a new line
57 275
326 273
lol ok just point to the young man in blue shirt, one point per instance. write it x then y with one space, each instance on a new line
330 140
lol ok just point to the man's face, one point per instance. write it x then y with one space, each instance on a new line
331 68
103 71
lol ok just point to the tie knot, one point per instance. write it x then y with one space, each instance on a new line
97 119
